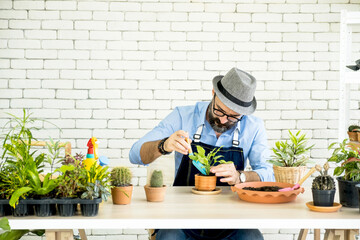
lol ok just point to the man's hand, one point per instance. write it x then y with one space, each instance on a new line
176 142
228 172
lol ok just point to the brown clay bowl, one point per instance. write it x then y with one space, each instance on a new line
266 197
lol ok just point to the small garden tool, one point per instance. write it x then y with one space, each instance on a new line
197 164
296 186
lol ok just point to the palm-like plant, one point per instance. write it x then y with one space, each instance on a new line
293 153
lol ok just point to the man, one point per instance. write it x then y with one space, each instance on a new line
225 121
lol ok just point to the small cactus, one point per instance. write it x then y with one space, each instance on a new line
156 179
121 176
324 181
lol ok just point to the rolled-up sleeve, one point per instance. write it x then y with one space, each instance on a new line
164 129
259 154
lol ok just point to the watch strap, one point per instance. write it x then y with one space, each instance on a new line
161 147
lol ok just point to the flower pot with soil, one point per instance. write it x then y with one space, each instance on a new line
206 182
353 132
323 188
347 156
155 192
122 188
289 159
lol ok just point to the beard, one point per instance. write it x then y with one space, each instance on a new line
216 124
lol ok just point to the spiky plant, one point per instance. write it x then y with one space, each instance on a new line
324 181
121 177
156 179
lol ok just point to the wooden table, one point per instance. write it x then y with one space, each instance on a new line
183 209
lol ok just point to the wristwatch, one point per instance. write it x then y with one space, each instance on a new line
161 147
242 177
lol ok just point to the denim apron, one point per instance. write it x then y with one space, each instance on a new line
186 177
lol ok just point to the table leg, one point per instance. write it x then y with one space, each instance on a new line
316 234
82 234
303 233
62 234
350 234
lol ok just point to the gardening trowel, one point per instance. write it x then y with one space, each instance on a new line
296 186
197 164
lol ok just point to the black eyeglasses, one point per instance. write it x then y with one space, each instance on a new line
220 113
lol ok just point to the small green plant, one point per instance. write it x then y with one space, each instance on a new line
293 153
95 190
156 179
97 182
324 181
348 155
354 128
120 177
208 160
8 234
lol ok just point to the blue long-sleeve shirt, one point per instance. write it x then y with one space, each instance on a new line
252 137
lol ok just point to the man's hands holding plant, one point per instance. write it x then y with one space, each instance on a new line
228 172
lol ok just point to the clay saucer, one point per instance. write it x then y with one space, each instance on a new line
334 208
266 197
213 192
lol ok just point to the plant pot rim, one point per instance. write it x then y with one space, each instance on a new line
320 190
288 167
121 186
341 178
201 175
148 186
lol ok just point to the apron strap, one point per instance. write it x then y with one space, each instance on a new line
235 142
197 135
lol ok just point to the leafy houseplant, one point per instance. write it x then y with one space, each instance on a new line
323 188
122 188
207 182
156 191
347 154
289 159
354 132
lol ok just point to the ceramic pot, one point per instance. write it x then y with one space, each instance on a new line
348 193
353 136
323 198
205 183
155 194
290 175
119 196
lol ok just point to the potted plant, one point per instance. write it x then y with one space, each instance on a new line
354 132
206 182
323 188
155 192
290 158
121 187
97 189
347 154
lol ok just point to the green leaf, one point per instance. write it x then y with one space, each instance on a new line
4 224
17 194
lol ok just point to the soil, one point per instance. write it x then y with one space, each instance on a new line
263 189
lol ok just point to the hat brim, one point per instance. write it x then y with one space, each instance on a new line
233 106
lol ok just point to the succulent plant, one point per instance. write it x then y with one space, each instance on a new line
324 181
71 160
354 128
156 179
121 176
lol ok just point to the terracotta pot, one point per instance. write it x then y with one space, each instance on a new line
290 175
118 195
155 194
353 136
205 183
358 136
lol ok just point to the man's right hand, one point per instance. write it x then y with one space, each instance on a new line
176 142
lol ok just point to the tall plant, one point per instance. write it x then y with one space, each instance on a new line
293 153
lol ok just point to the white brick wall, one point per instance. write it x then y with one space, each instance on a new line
115 69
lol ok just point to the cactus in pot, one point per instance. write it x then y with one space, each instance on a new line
122 188
323 188
155 192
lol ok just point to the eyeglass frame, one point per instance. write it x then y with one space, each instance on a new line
224 114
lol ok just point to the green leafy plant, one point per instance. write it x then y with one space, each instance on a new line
71 181
354 128
208 160
293 153
97 183
121 176
324 181
346 154
53 156
15 234
156 179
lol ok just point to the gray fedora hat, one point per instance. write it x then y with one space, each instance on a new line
236 90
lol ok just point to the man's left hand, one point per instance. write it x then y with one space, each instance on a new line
228 172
